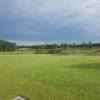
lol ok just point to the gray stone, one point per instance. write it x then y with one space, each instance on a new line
18 98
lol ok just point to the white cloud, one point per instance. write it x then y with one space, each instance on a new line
57 10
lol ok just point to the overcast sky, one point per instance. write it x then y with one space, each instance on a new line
42 21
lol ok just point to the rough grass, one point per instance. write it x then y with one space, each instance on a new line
50 77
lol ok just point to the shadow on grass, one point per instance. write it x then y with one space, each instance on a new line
24 97
87 66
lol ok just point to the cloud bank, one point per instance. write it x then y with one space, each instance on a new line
50 20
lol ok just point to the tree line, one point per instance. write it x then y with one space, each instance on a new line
6 46
62 48
62 45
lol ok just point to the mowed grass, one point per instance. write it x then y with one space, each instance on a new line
50 77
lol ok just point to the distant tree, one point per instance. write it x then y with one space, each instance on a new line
84 44
64 45
7 46
96 44
74 45
90 45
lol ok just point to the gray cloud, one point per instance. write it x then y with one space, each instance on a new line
51 19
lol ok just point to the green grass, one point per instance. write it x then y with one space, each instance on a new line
50 77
